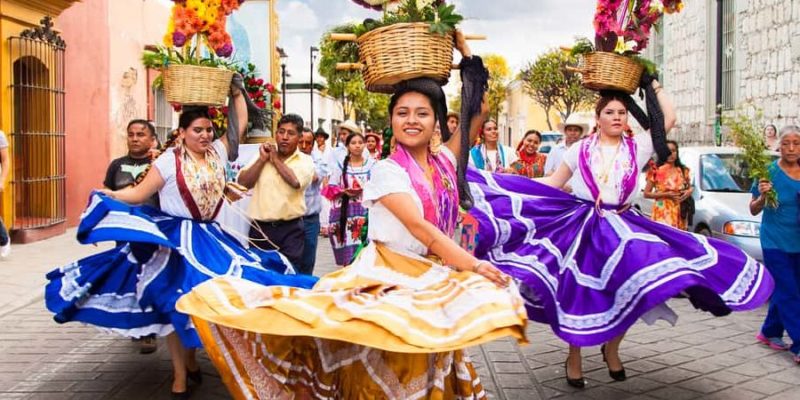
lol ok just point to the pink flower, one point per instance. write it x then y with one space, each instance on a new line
270 88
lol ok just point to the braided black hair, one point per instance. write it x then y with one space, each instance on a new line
345 197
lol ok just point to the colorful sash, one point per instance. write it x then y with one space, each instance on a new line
201 186
622 172
480 157
440 205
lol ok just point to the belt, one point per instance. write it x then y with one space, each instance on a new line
279 222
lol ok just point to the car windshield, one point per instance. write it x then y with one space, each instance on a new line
550 137
725 173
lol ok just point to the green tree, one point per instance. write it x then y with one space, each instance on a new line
499 74
348 86
550 84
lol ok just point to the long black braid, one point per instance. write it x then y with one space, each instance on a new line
345 185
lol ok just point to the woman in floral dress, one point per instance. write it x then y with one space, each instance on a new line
348 215
669 185
530 162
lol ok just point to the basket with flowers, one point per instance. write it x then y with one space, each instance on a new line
622 30
413 39
194 59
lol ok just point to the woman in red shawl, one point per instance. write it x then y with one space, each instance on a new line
530 162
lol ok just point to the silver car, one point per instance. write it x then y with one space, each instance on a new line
721 194
549 140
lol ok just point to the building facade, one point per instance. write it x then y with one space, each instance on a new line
521 113
731 53
328 112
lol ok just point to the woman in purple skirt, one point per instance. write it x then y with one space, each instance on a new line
589 266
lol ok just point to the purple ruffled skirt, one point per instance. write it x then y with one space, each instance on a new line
591 276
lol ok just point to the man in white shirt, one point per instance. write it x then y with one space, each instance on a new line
573 129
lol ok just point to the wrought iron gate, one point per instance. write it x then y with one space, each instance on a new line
38 134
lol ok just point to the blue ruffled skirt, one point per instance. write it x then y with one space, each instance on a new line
132 289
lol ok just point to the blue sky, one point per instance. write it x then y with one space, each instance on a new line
517 29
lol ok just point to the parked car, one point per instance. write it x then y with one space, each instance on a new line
722 197
549 140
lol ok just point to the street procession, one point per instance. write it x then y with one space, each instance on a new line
400 199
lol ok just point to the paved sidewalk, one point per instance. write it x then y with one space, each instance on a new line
702 357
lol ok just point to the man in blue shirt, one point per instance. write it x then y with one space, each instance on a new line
313 199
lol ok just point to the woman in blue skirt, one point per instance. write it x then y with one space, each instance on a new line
161 255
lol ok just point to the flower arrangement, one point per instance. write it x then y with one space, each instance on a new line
259 91
624 25
746 133
441 17
205 18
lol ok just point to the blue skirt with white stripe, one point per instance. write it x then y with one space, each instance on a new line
132 289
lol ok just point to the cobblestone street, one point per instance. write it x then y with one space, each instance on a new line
701 358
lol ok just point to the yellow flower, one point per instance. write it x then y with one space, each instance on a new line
623 46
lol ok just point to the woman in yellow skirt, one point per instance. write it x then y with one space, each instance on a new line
394 323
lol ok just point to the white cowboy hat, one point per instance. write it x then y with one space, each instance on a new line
574 120
350 126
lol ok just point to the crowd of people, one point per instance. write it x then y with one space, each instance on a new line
393 321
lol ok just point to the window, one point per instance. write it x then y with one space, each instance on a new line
728 56
162 115
657 50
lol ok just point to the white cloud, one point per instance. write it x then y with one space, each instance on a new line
297 16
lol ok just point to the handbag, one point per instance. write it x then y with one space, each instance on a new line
687 206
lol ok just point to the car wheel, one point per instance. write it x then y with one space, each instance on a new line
704 231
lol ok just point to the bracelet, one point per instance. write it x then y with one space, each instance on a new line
478 264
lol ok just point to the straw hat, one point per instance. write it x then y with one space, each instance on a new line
350 126
574 120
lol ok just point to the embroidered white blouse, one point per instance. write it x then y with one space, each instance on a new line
387 177
169 196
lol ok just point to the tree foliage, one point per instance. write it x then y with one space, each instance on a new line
348 86
499 74
550 84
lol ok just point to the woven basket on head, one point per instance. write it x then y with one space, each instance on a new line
608 71
398 52
193 85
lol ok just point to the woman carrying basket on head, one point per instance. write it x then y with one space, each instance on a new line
587 264
132 289
394 323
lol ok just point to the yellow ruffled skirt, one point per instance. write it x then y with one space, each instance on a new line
388 326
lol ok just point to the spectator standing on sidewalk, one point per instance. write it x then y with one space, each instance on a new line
344 190
280 175
670 185
313 198
780 242
124 171
5 168
771 138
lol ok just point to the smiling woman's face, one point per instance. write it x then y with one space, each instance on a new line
413 120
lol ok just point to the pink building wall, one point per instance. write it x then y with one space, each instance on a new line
84 28
106 85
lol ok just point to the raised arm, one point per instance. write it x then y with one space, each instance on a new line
240 108
559 178
454 142
402 206
666 106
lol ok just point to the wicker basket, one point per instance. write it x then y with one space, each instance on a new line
608 71
398 52
194 85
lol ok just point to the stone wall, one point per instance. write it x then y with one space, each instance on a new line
768 70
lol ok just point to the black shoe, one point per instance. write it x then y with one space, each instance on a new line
181 395
195 376
618 376
578 383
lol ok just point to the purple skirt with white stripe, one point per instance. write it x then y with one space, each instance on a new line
591 275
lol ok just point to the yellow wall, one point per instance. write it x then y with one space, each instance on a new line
16 16
521 113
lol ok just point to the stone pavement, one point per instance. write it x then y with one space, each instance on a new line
702 357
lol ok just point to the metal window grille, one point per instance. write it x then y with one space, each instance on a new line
728 54
38 133
163 115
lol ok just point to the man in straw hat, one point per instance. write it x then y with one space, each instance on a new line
573 129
